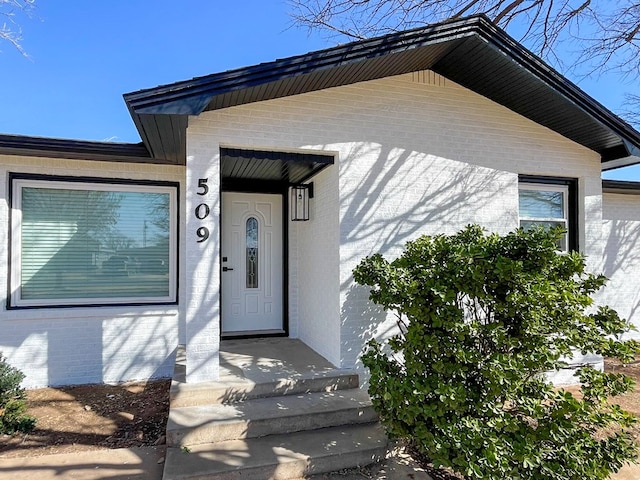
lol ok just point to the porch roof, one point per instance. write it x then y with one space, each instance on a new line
472 52
288 168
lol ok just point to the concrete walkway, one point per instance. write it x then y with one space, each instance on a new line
142 464
283 406
145 463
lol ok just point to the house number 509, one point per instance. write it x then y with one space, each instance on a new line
202 211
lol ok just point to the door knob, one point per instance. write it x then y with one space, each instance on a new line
226 269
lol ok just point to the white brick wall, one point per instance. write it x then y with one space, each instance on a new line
202 307
621 259
318 279
85 345
412 159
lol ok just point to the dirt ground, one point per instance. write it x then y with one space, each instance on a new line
89 417
630 401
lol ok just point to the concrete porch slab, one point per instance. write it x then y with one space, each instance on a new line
265 359
254 368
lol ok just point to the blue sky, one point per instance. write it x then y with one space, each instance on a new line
85 55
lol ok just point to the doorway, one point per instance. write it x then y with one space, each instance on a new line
252 264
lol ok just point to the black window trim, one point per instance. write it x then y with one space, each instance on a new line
12 176
572 207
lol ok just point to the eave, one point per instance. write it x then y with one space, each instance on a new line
621 186
471 52
76 149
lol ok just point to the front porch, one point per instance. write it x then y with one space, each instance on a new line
279 410
251 367
253 270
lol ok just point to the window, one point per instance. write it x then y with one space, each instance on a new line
550 202
92 242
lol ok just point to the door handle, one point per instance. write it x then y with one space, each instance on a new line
226 269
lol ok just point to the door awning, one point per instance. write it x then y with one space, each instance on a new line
268 166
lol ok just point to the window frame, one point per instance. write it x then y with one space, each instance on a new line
569 188
18 181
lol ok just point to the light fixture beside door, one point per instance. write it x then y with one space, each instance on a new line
299 201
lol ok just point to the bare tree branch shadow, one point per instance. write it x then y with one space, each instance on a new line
621 260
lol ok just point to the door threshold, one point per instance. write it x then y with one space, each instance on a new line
253 334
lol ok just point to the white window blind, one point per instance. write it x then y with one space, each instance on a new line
79 243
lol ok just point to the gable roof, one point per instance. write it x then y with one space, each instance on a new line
472 52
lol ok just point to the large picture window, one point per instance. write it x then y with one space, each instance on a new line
550 202
92 242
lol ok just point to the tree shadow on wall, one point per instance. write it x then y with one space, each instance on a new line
621 264
394 203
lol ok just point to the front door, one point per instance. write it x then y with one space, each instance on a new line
252 264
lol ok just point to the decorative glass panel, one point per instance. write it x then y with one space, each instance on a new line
83 243
252 253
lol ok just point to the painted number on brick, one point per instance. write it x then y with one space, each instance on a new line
202 211
202 183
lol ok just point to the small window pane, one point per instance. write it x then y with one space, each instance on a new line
529 224
541 204
252 253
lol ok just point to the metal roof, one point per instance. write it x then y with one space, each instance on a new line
290 168
75 149
621 186
472 52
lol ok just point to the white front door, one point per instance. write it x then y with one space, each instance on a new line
252 263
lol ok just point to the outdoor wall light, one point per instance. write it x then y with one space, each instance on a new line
300 195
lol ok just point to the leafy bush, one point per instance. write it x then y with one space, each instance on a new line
12 401
482 318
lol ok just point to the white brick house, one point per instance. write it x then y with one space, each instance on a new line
115 254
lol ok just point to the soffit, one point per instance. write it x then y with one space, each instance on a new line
267 166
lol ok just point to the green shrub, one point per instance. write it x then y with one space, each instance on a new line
482 318
12 401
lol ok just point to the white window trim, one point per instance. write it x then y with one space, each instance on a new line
548 187
97 185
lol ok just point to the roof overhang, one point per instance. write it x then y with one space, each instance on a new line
472 52
239 166
621 186
75 149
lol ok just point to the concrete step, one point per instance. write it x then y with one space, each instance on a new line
236 390
279 457
267 416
